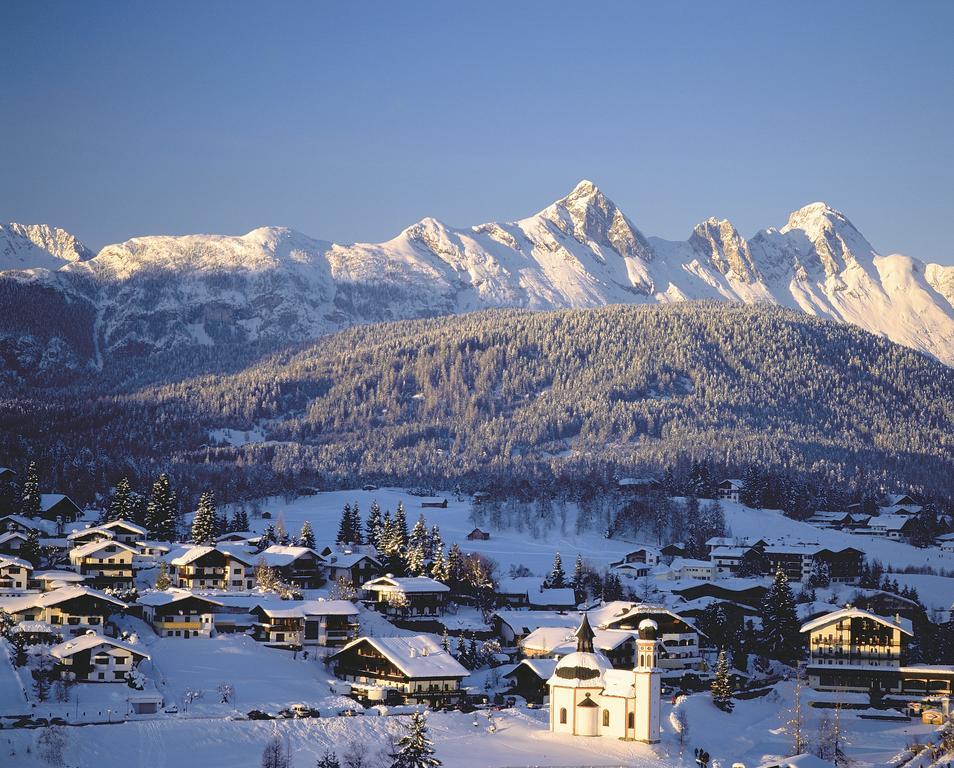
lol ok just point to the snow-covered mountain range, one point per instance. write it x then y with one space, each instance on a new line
275 285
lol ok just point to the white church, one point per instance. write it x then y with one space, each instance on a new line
590 698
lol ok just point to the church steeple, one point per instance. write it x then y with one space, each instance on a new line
584 636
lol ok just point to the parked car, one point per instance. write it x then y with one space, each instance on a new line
300 711
257 714
172 709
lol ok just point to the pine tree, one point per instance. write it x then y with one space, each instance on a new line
722 685
418 537
780 629
445 640
455 564
415 559
281 532
473 655
386 535
161 513
356 524
30 549
265 576
328 760
578 576
415 749
203 523
400 527
439 566
557 577
435 541
461 653
162 580
240 520
30 499
345 531
120 505
307 536
373 525
267 538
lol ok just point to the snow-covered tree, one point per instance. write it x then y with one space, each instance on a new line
307 536
415 559
356 525
400 527
343 589
161 511
120 504
328 760
780 628
203 523
346 532
30 498
722 684
439 566
415 749
265 576
795 725
435 541
557 577
579 571
163 581
373 525
239 520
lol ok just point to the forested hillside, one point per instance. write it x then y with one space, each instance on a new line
513 396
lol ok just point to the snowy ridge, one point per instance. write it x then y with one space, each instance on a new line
277 285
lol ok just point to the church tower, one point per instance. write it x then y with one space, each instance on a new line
647 683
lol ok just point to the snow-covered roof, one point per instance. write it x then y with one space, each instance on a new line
524 622
96 530
35 627
303 608
520 585
562 640
889 522
678 563
126 525
414 655
895 499
799 761
349 559
9 535
59 576
50 500
857 613
95 546
405 584
57 596
26 522
172 596
581 669
565 597
186 555
6 562
89 641
542 668
732 482
277 555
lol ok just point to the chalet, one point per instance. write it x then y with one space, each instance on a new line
179 613
529 678
679 649
685 568
238 537
47 581
153 550
300 566
14 574
59 508
676 549
11 542
638 486
729 490
895 527
75 609
299 624
441 504
478 535
356 567
407 596
836 520
19 523
514 626
529 592
88 535
415 668
202 567
693 610
105 563
749 592
855 650
619 646
644 555
93 658
125 531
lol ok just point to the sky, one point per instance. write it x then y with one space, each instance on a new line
350 121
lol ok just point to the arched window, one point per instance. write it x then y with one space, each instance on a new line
606 718
631 720
562 715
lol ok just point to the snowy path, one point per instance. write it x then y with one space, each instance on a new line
11 691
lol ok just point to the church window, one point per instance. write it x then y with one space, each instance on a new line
631 723
563 716
606 718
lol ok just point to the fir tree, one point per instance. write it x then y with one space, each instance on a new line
557 577
385 543
162 580
356 523
307 536
439 566
445 640
30 549
415 559
418 536
120 505
722 685
30 499
373 525
203 523
161 514
415 749
461 653
267 538
345 531
400 527
240 520
328 760
455 564
435 541
281 532
578 576
780 629
473 655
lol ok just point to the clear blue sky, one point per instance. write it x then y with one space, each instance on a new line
350 121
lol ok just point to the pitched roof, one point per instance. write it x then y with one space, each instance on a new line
542 668
278 555
406 584
302 608
26 522
158 599
189 554
857 613
89 641
414 655
95 546
6 562
349 559
98 530
55 597
127 524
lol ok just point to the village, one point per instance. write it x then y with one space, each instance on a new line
349 611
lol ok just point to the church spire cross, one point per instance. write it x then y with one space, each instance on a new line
584 636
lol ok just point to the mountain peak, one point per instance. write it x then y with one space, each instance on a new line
25 246
816 216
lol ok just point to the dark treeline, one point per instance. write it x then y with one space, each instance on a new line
560 403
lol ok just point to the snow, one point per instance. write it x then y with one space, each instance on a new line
416 655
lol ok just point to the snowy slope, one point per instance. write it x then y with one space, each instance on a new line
277 285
